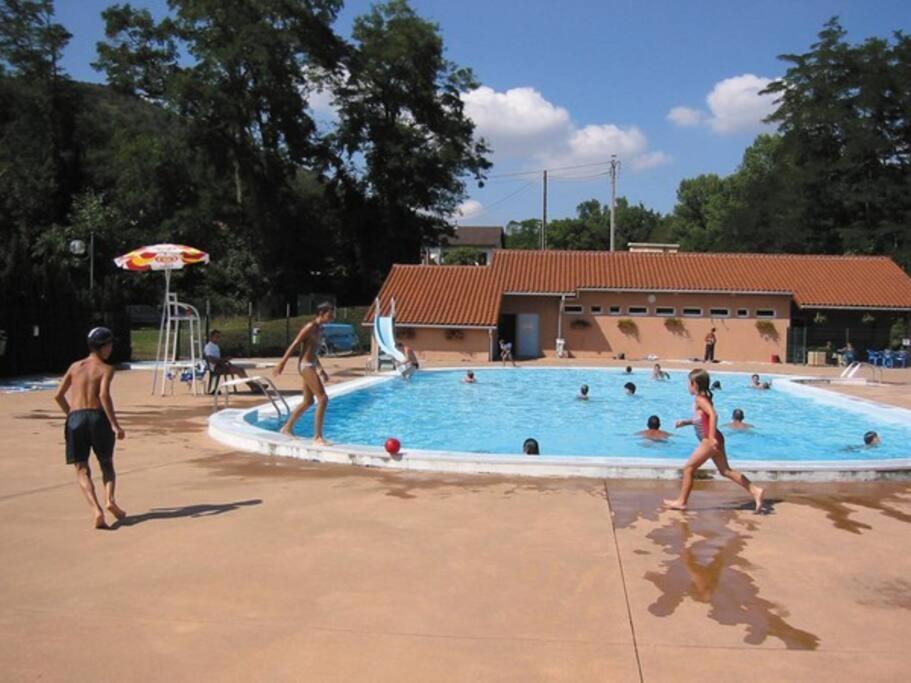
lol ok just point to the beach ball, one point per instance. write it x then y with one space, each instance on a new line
393 446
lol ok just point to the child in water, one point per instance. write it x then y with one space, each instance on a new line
658 373
469 377
583 393
530 447
711 444
737 420
630 388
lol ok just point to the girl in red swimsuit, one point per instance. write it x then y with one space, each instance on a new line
711 445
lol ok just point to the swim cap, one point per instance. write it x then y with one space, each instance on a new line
100 336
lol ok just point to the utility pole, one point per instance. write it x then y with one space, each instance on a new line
614 170
544 222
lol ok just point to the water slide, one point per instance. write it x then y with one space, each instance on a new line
384 331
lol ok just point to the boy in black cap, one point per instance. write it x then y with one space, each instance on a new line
91 423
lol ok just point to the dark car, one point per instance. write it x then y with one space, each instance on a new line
338 337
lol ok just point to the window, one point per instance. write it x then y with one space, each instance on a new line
665 310
692 312
596 310
719 312
637 310
765 312
573 309
743 312
614 310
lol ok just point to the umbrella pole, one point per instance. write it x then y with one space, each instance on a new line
164 333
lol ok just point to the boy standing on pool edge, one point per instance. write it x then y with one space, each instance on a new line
309 339
91 422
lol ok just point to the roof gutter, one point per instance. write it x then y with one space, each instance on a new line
824 307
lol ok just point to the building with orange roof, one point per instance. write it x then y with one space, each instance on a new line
647 304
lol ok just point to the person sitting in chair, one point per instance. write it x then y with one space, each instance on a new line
219 365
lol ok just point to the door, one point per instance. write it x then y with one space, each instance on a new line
528 343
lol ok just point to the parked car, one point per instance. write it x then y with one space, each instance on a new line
142 315
338 337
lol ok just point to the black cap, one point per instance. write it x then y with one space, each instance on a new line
100 336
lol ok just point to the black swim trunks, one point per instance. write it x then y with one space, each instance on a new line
87 430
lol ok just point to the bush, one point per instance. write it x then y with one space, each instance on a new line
767 329
628 327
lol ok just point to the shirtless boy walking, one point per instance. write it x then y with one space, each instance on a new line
309 339
91 422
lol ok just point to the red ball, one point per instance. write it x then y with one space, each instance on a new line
393 446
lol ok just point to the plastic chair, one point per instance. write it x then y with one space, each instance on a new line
216 375
874 357
900 359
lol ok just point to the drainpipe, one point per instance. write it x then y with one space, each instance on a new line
560 317
490 344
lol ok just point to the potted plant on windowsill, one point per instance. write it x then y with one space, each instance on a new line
767 329
628 327
675 326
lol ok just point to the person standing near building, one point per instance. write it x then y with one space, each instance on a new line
710 341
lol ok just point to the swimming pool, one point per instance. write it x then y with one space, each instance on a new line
436 411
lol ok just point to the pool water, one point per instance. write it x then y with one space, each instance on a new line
437 411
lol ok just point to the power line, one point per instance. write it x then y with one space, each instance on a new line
495 204
538 171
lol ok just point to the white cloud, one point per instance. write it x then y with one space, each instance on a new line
468 209
737 106
519 112
650 160
320 102
685 116
521 124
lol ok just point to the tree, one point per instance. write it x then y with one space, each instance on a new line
523 234
404 135
241 106
463 256
842 117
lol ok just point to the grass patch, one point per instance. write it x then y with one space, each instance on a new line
274 337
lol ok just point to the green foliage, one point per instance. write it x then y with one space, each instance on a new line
404 135
523 234
898 332
463 256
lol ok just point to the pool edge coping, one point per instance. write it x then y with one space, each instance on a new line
231 429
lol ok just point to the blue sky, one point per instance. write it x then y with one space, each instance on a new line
669 86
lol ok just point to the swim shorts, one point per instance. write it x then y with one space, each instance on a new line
87 430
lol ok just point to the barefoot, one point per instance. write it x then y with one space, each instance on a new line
674 505
116 510
320 441
286 430
758 497
99 521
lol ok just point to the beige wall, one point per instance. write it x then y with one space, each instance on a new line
547 308
738 338
430 343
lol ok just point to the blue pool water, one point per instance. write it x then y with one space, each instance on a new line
437 411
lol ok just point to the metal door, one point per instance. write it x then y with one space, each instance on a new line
529 344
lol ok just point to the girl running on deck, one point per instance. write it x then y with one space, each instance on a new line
711 444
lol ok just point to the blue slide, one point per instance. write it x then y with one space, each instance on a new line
385 338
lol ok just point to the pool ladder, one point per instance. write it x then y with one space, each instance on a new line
268 388
855 367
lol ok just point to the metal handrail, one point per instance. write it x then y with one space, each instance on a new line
266 384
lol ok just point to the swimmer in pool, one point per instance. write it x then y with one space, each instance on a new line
711 444
630 389
530 447
756 384
469 377
628 371
583 393
737 421
654 431
658 373
871 439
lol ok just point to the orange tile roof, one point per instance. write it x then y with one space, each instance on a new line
470 295
441 295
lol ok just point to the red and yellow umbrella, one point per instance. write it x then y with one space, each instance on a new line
161 257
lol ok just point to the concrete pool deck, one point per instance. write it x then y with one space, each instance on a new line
237 567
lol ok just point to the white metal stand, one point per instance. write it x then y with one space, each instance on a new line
167 363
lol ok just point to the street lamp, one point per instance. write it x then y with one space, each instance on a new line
77 248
